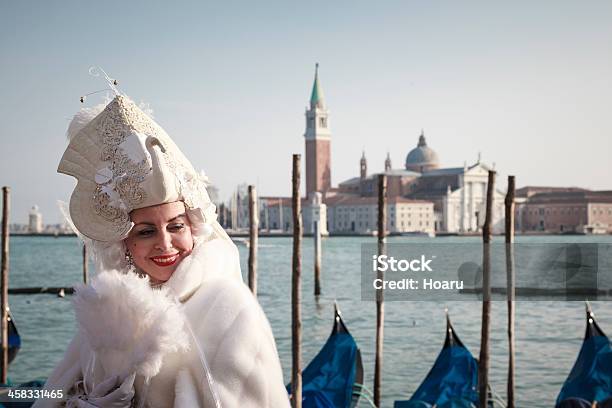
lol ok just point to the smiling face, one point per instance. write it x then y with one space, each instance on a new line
160 239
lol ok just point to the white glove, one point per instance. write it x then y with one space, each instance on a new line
111 393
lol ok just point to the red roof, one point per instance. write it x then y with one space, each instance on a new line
584 196
529 191
357 200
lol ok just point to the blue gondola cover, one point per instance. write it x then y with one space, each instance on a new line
452 382
329 378
591 376
14 339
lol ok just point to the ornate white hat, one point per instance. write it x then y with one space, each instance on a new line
123 161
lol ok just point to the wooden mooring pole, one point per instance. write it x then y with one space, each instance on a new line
380 307
509 204
317 258
253 235
483 362
296 322
4 290
85 265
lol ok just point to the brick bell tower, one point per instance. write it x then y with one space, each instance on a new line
318 139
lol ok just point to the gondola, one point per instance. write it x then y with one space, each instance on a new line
452 382
591 377
14 339
14 344
334 378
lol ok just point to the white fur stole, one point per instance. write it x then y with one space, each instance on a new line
129 325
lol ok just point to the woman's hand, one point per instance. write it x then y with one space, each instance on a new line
111 393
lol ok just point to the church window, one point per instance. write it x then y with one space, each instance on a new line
323 122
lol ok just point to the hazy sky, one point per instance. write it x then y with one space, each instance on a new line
528 84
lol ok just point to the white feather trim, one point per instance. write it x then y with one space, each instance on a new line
146 108
129 325
86 115
82 118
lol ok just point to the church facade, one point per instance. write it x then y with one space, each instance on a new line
458 194
422 197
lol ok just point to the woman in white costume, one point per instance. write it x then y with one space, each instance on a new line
167 320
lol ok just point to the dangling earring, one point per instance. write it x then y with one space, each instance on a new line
129 260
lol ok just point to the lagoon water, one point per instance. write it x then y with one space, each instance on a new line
548 333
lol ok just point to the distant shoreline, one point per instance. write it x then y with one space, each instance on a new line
288 235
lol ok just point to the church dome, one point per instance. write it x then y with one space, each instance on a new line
422 158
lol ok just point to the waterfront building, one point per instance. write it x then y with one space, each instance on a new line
355 196
18 228
35 225
458 194
275 214
429 198
563 210
359 215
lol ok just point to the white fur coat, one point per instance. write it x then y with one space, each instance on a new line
202 338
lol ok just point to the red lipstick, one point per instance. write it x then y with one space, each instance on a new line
165 260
